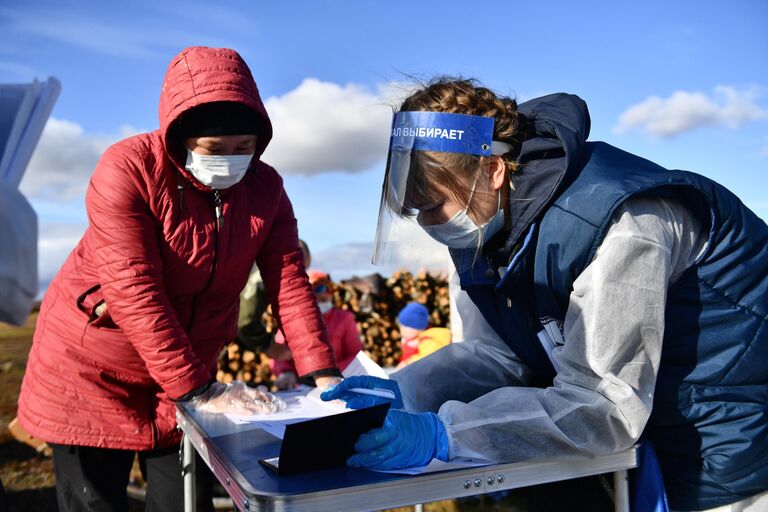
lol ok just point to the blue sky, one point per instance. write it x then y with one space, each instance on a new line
682 83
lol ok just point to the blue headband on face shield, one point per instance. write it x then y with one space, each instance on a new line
438 131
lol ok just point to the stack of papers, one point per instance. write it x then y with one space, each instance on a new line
301 404
304 404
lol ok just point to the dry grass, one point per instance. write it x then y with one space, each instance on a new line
26 475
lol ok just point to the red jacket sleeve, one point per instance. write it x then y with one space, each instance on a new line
293 302
131 274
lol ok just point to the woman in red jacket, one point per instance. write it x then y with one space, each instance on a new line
138 313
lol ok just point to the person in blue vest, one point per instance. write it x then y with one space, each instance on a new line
628 300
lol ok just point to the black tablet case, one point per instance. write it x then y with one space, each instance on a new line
325 442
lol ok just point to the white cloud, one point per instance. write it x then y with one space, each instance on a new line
55 242
64 159
684 111
319 127
322 126
413 250
345 260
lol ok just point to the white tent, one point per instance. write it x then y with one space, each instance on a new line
24 110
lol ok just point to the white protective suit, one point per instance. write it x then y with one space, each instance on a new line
602 394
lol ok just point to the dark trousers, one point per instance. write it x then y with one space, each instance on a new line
95 479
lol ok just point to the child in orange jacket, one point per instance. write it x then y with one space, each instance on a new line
416 340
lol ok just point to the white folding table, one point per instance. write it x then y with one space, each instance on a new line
233 451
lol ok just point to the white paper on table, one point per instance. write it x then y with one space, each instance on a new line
304 403
299 407
314 396
434 466
438 465
363 365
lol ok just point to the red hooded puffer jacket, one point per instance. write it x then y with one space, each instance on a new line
170 276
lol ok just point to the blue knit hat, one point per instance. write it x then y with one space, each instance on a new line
414 315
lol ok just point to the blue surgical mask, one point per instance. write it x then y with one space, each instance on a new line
217 171
461 232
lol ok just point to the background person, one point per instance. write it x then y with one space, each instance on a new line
629 300
342 328
416 339
251 333
138 313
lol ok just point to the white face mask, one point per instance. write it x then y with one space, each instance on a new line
461 232
324 306
217 171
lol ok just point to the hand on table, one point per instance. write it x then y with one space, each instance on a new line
237 398
324 383
405 440
341 391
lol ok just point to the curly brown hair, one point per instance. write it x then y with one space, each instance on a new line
465 96
458 172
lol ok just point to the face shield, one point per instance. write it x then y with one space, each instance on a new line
433 158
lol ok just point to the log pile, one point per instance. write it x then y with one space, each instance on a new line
375 302
245 365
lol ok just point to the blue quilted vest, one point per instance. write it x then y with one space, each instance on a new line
709 423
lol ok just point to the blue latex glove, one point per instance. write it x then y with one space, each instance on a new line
406 440
341 391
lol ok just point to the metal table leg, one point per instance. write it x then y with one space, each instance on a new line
621 490
188 473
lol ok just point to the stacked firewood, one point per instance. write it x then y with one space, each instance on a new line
239 364
375 302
